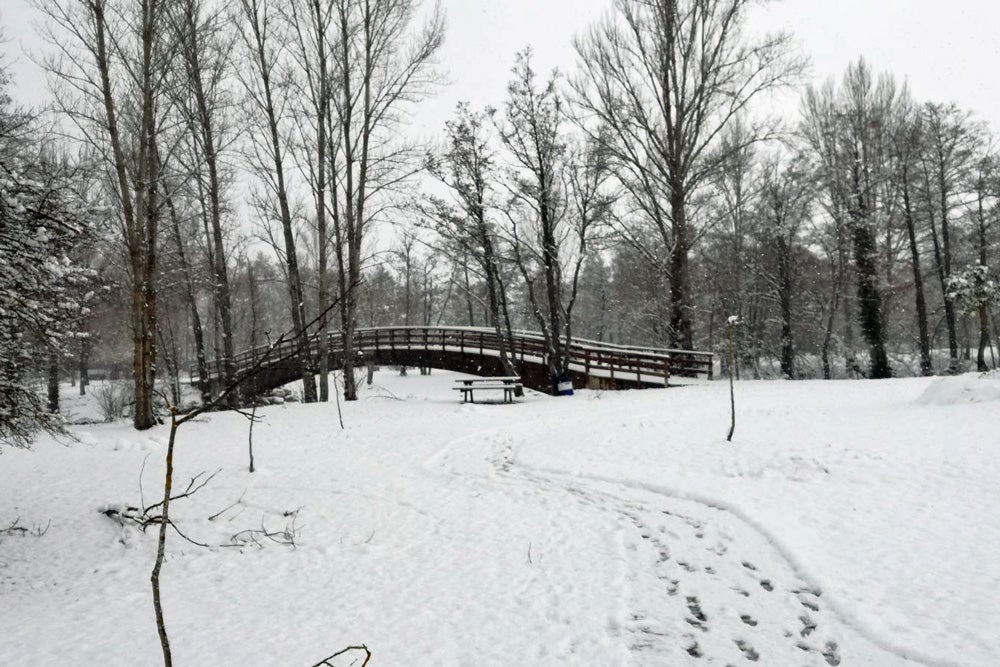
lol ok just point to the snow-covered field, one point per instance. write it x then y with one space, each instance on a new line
848 523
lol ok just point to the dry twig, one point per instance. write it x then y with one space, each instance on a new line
325 662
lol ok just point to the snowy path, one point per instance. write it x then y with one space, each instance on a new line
691 589
846 524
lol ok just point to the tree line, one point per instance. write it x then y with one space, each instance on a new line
240 166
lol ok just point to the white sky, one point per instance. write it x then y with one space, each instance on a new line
948 51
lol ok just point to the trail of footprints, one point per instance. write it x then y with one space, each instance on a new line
711 564
681 572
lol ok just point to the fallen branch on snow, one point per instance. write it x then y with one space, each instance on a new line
325 662
15 528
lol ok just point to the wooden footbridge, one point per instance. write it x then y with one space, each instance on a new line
476 351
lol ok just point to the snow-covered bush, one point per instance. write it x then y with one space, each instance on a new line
973 288
41 289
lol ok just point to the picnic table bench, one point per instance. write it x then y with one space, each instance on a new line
509 384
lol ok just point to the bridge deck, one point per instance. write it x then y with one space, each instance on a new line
476 350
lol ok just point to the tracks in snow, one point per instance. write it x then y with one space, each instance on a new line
701 585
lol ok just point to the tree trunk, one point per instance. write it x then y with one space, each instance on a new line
837 282
53 378
468 291
949 306
204 133
191 297
322 107
144 360
785 300
926 365
558 357
295 293
353 217
497 302
869 294
84 365
943 265
984 339
870 301
828 334
681 333
984 320
137 198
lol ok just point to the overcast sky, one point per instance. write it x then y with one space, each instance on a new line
948 51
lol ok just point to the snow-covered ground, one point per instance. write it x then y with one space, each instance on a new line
848 523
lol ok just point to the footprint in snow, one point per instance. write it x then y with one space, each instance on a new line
697 618
807 597
748 651
808 604
831 654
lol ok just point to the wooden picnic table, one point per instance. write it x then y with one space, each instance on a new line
509 384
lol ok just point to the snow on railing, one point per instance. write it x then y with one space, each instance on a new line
592 357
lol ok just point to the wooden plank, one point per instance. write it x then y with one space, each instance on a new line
490 378
649 365
477 387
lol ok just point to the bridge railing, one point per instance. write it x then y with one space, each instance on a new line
643 364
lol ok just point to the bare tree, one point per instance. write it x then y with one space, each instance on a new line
558 202
737 184
190 293
312 22
267 111
983 211
205 54
113 65
906 146
950 140
277 353
786 197
665 78
380 65
468 227
848 130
